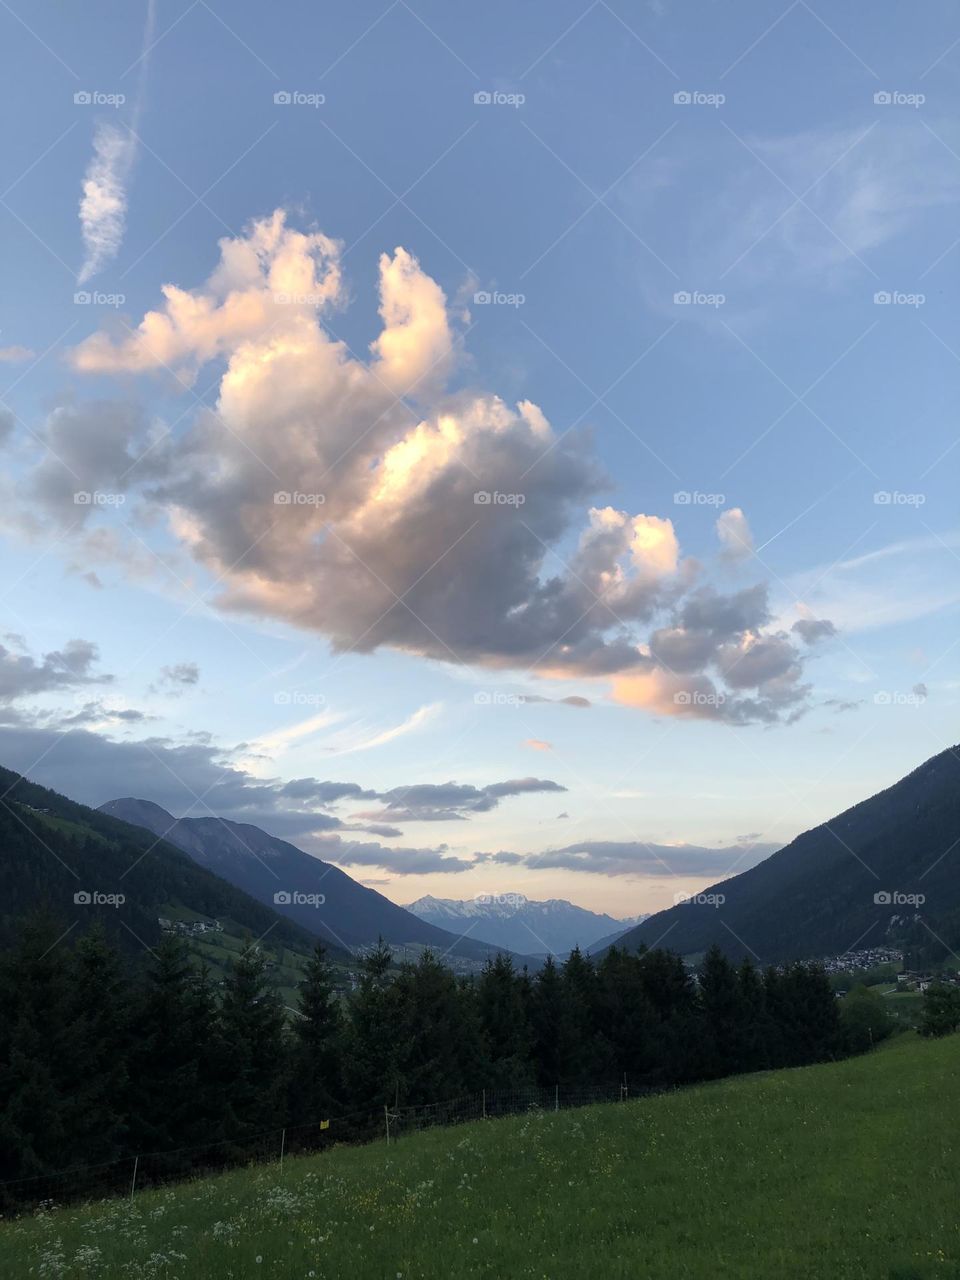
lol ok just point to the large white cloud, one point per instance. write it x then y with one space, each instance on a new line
378 502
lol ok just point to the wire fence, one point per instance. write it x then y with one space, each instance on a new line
135 1173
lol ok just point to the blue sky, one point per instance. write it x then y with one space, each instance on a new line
803 200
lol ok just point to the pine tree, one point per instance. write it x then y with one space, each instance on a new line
316 1078
35 1049
550 1038
579 993
431 1046
99 1013
373 1034
255 1039
504 1022
721 1048
177 1057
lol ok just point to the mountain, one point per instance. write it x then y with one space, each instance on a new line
83 866
316 895
609 939
512 921
886 872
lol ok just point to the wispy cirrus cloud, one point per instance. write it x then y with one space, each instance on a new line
103 199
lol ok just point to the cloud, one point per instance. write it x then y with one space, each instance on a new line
810 630
368 502
734 533
413 722
538 744
574 700
103 204
22 675
398 861
15 354
97 713
637 858
181 675
452 801
842 704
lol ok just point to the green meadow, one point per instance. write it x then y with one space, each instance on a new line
847 1171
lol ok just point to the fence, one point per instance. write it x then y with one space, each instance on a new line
135 1173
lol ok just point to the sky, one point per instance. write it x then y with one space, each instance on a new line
500 448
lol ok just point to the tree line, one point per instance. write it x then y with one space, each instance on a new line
98 1062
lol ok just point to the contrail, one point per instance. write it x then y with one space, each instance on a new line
103 203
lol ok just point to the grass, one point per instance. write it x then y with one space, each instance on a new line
847 1171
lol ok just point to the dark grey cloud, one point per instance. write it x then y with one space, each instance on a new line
637 858
810 630
198 779
96 713
22 675
452 801
842 704
181 675
396 859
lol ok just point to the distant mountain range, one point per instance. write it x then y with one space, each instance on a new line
518 924
885 872
314 894
84 866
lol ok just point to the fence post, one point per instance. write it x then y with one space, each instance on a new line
484 1104
283 1145
133 1180
386 1119
556 1097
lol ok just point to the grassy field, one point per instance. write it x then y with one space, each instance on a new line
822 1173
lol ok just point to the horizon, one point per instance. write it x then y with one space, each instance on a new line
502 452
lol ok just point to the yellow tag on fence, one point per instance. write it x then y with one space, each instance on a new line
324 1124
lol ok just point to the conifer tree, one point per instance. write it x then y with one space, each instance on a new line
99 1012
373 1034
254 1035
504 1022
177 1057
316 1076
